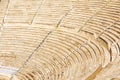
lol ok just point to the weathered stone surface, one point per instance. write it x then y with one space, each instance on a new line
59 39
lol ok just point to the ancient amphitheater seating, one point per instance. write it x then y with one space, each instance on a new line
69 58
21 7
60 40
37 11
79 15
105 24
14 41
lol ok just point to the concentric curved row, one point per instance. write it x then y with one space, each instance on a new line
36 11
82 12
66 56
18 42
84 44
105 26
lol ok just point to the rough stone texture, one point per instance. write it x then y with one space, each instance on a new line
59 39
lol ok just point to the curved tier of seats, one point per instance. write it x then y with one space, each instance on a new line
19 42
83 11
64 55
37 11
105 26
60 40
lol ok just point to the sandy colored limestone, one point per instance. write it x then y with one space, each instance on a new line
59 39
